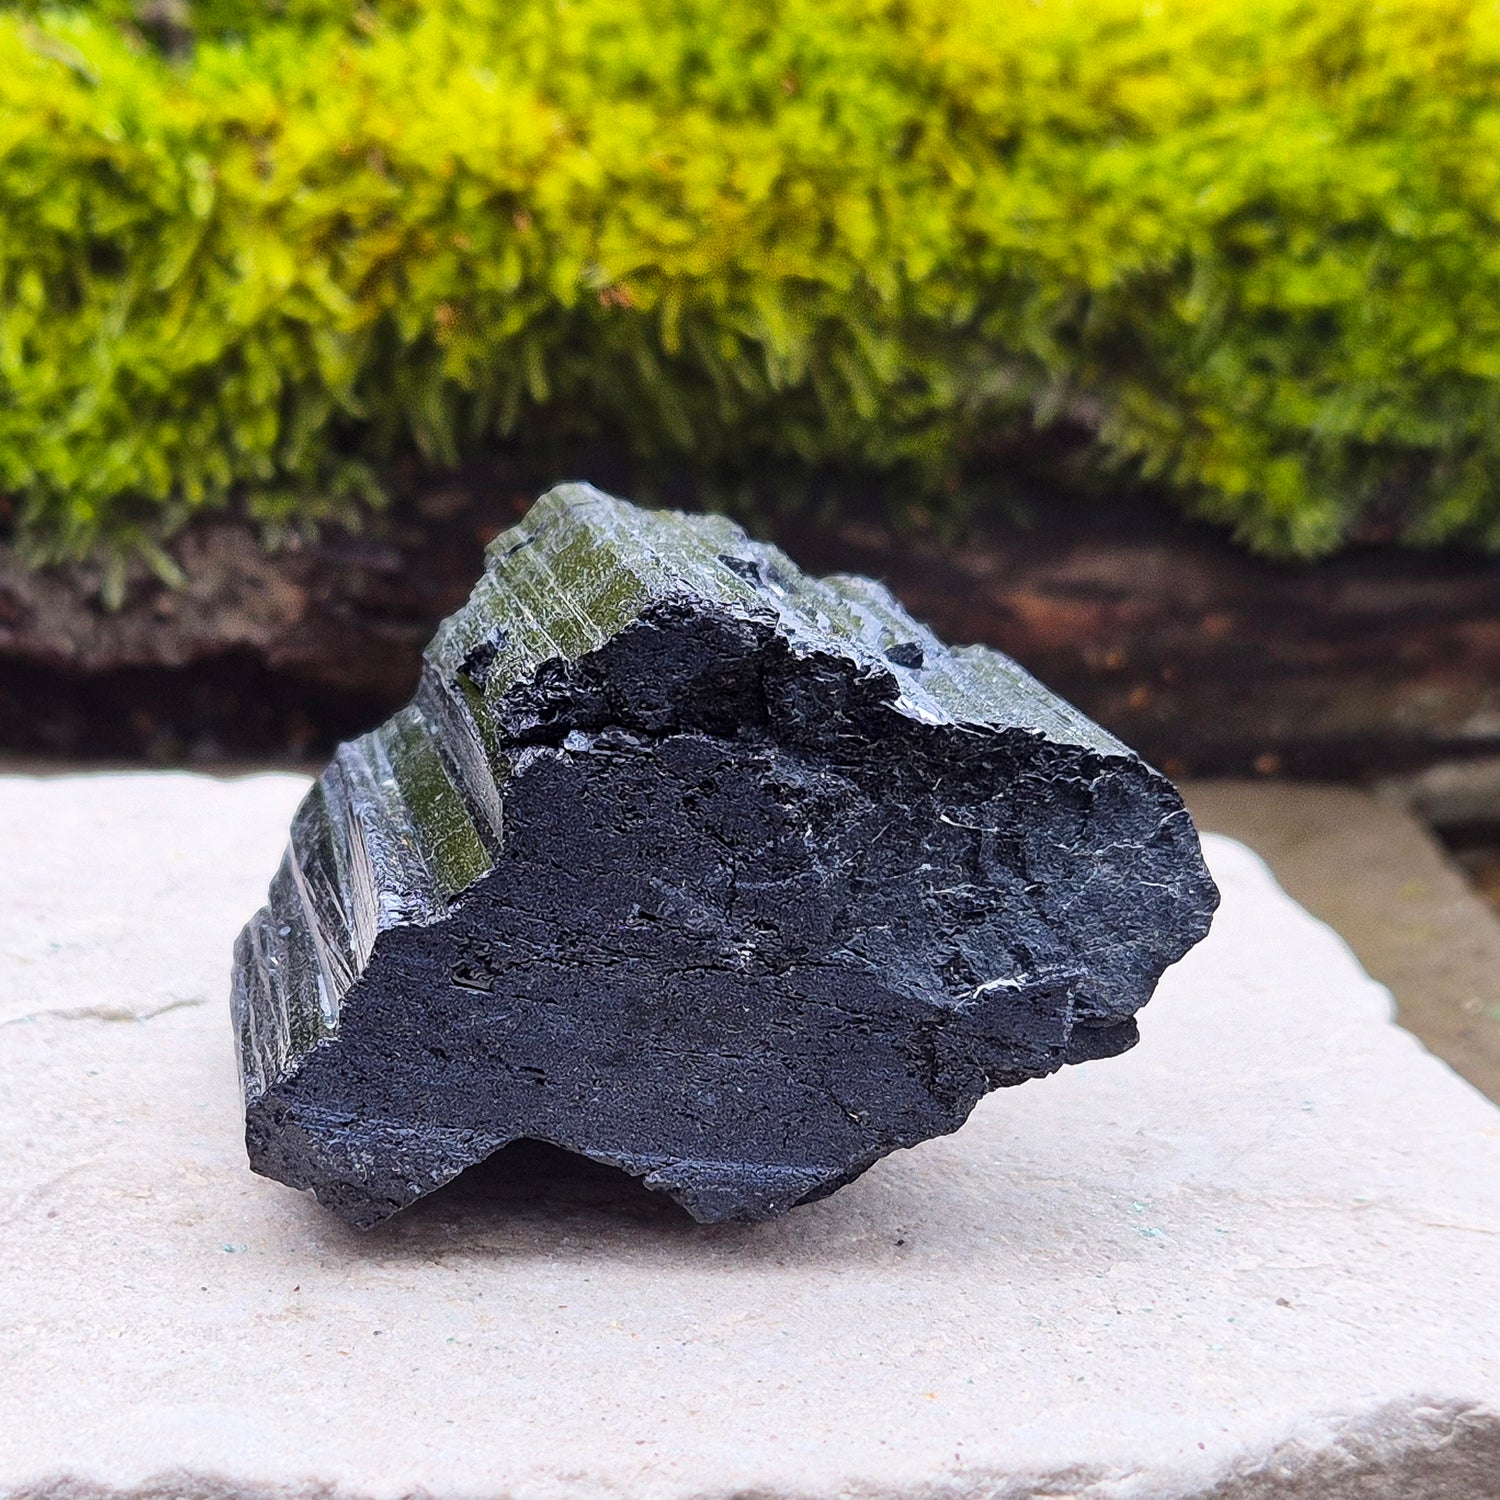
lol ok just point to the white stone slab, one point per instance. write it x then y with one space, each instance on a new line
1258 1256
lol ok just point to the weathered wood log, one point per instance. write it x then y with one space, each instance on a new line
1206 660
689 864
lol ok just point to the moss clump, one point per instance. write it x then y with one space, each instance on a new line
254 252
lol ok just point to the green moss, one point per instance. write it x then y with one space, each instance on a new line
1254 248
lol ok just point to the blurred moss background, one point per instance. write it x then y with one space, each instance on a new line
253 255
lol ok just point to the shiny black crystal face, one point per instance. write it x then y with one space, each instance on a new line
721 899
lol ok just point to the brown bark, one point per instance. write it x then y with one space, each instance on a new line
1204 658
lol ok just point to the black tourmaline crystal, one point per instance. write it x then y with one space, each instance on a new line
687 863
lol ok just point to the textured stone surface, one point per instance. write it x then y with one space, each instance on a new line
1371 869
731 878
1255 1258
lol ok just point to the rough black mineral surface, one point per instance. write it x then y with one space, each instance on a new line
690 864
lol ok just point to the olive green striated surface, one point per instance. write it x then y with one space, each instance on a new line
582 566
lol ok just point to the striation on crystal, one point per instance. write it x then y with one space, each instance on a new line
690 864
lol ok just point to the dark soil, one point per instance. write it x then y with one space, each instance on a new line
1476 850
1206 659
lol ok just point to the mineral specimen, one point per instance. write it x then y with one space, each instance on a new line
685 862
